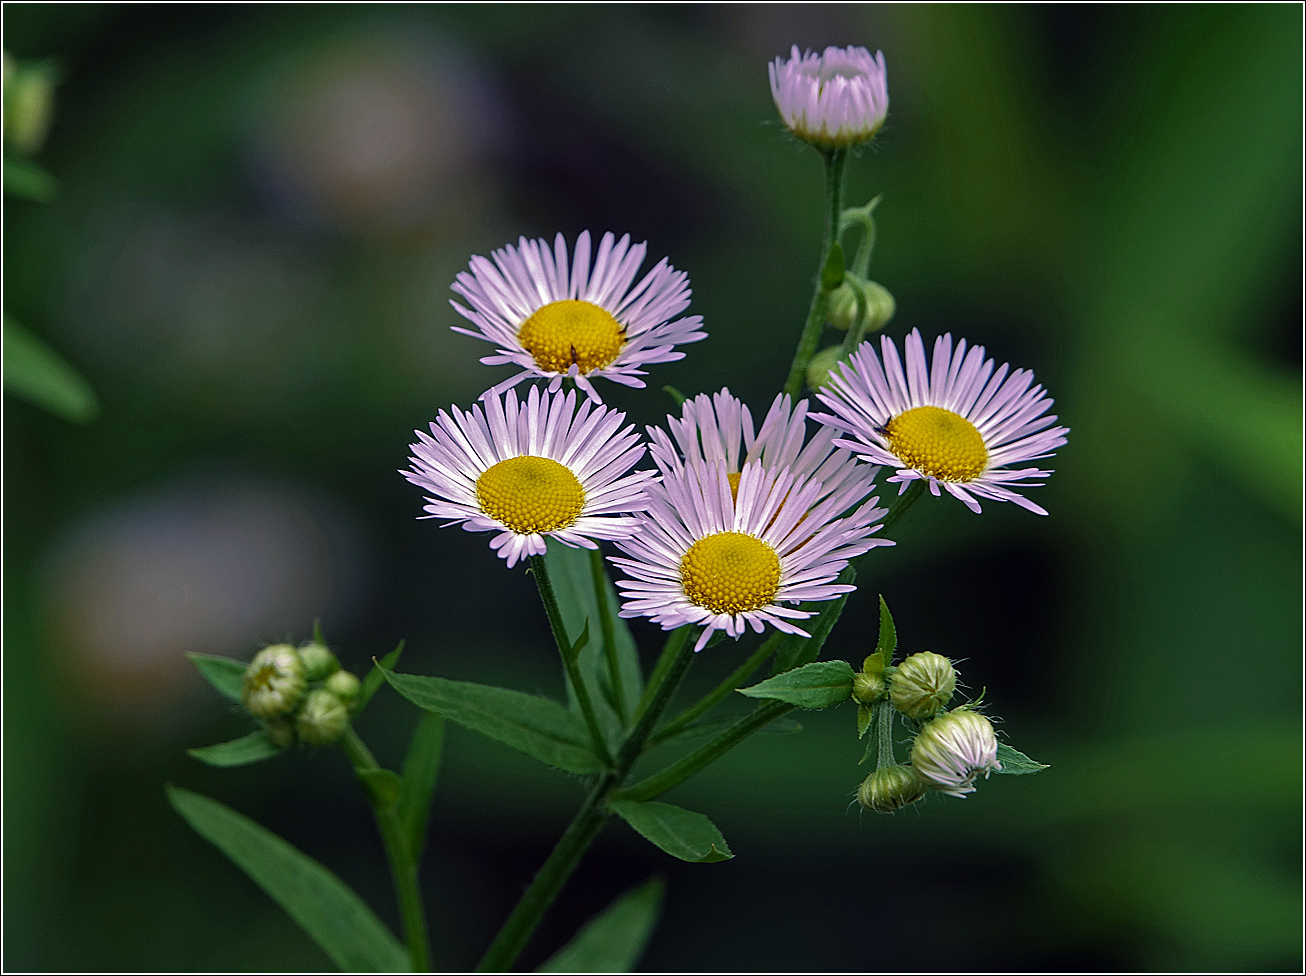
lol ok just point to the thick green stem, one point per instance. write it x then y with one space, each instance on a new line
670 650
721 691
521 924
660 782
609 630
403 864
541 570
884 734
811 335
682 655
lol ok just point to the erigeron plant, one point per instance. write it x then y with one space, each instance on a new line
735 527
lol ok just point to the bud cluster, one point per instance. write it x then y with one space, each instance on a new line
300 693
951 749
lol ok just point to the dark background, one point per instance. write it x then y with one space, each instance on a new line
262 210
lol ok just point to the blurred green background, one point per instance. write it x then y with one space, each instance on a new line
261 211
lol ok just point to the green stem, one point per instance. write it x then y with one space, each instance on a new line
541 570
713 697
609 629
585 826
670 650
673 775
811 335
884 734
898 507
521 924
403 865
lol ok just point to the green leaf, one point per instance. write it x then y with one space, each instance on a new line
863 719
815 685
579 644
384 787
376 677
612 941
223 673
681 833
1016 763
421 770
675 394
888 640
833 272
573 585
317 632
29 181
36 373
251 748
323 905
539 727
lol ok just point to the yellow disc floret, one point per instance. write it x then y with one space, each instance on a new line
571 332
730 572
938 443
531 494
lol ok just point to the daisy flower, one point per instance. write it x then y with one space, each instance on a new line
952 750
720 428
831 100
955 422
530 470
580 321
730 559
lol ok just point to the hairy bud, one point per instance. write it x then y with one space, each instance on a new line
923 684
274 682
951 751
345 686
322 718
890 789
318 661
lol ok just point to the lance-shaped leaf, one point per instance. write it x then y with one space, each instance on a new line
421 770
38 374
323 905
384 787
29 181
612 941
375 678
223 673
250 748
681 833
888 641
815 685
1016 763
539 727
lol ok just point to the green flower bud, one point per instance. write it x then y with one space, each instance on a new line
880 306
952 750
318 661
867 687
322 719
890 789
274 682
344 685
841 308
818 368
922 684
28 106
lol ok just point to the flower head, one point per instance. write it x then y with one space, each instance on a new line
952 750
582 321
720 428
322 718
527 470
274 682
922 684
835 99
890 788
730 556
955 422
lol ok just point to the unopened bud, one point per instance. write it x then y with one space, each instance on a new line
274 682
880 306
818 368
318 661
867 688
344 685
890 789
951 751
322 718
923 684
841 309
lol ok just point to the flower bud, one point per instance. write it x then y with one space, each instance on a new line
867 687
818 368
322 719
318 661
841 308
952 750
890 789
344 685
274 682
880 306
28 105
923 684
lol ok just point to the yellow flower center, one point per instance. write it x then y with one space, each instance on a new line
730 572
567 332
939 443
530 494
